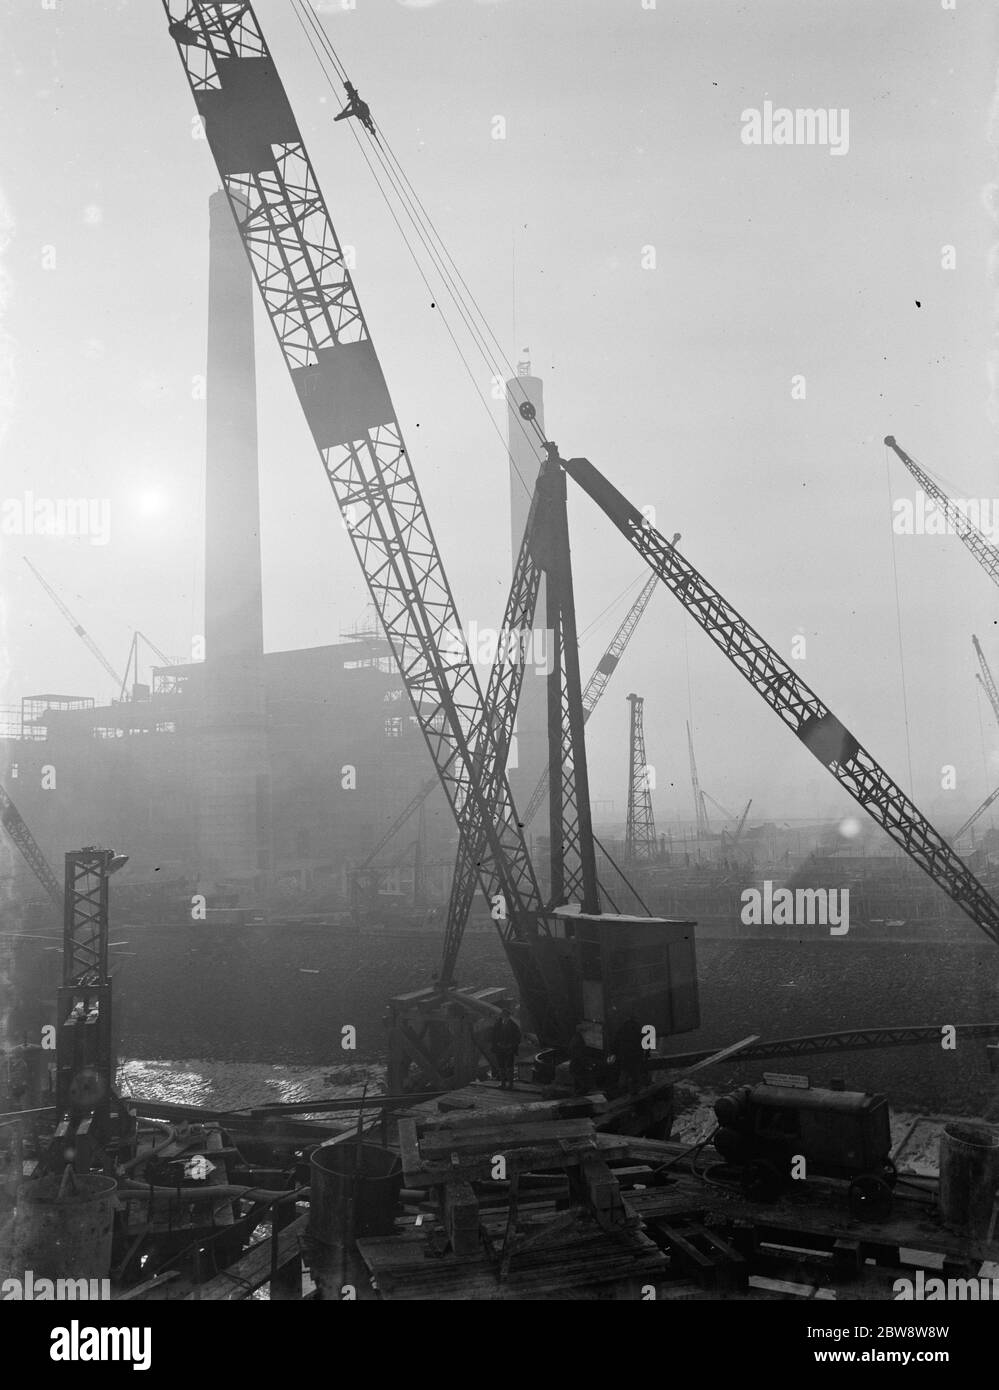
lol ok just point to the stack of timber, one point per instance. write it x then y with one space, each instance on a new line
522 1203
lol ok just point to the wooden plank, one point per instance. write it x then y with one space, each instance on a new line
717 1057
719 1243
254 1268
461 1218
408 1147
558 1260
678 1241
477 1167
553 1110
140 1290
472 1139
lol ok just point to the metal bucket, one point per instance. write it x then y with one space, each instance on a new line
969 1177
371 1178
65 1236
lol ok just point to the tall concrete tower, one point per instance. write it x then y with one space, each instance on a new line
233 829
525 464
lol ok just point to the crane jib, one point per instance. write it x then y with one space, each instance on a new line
798 706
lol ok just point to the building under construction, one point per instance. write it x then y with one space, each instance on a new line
250 776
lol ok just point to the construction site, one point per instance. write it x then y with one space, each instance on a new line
520 1010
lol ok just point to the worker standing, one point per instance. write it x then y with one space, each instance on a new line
505 1040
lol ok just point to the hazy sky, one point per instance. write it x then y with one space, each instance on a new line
623 132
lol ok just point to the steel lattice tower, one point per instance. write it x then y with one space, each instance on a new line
640 844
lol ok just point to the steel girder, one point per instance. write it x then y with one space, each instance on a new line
849 1040
85 920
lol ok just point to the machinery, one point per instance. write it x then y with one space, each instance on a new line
88 1114
766 1130
310 298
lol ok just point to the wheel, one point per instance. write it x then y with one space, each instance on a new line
527 410
870 1197
761 1181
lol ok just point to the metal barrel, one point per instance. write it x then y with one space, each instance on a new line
366 1175
969 1177
61 1234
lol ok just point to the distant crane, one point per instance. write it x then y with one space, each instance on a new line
965 529
132 663
742 823
594 689
597 683
640 845
729 815
12 822
986 680
975 814
700 810
78 628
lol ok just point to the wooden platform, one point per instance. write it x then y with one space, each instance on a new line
579 1259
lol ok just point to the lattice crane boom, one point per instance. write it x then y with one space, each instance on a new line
700 810
77 627
979 811
828 740
986 679
640 845
299 267
12 822
986 554
501 701
742 823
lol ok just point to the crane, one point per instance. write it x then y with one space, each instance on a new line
310 298
13 823
742 823
597 683
640 843
986 680
78 628
975 814
132 662
986 554
797 706
592 692
308 293
700 810
729 815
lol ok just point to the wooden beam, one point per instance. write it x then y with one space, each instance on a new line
412 1163
254 1268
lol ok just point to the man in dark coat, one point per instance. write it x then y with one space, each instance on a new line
504 1038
